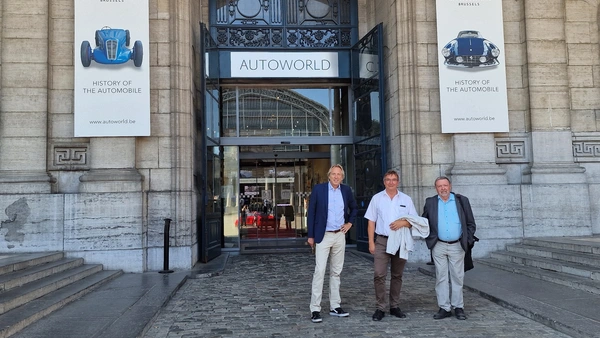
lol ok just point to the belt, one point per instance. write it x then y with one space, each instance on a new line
334 231
378 235
451 242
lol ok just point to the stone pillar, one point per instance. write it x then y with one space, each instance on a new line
403 125
173 76
549 95
559 190
24 97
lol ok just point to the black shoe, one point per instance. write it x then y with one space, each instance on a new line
338 312
316 317
397 312
430 263
378 315
460 313
441 314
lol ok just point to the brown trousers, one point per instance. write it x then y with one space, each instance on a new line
381 261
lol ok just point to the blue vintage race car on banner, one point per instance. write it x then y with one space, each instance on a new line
470 49
112 48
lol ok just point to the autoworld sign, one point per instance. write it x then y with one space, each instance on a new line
289 65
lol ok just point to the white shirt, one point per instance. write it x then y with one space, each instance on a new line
383 210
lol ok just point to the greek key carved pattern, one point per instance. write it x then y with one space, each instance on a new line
586 151
511 151
70 157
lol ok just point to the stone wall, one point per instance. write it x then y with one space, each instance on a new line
523 183
104 199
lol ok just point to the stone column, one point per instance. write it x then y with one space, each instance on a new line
559 190
403 65
23 97
173 76
549 95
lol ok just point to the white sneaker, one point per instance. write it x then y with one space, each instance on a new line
339 312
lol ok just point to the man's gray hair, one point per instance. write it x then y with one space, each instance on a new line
441 178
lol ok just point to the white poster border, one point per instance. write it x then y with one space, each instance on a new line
111 89
473 98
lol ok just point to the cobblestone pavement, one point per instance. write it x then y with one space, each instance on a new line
268 296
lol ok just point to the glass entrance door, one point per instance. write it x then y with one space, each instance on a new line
271 187
270 198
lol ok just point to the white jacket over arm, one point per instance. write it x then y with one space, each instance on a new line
402 239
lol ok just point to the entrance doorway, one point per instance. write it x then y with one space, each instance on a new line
278 142
340 114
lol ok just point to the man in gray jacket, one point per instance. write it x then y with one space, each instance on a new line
451 233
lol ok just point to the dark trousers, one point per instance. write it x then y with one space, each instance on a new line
381 261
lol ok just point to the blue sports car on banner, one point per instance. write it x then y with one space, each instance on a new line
470 50
112 47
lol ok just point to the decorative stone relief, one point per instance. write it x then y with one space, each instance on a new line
511 150
70 157
586 148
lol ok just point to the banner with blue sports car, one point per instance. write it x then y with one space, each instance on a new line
472 67
112 68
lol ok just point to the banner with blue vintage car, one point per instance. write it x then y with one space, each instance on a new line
472 66
112 68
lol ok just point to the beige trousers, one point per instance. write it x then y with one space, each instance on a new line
332 249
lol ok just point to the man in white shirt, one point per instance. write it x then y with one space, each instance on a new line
384 215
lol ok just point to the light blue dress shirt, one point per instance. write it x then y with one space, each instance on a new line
449 228
335 209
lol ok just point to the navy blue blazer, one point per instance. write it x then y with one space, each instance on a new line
317 209
465 214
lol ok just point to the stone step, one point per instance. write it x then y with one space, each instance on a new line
15 262
18 318
30 291
565 243
571 256
548 264
561 278
15 279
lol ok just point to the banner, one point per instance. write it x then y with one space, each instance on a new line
472 73
112 68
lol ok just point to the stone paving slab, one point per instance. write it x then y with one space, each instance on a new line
269 295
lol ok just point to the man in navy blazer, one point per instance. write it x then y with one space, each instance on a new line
332 210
